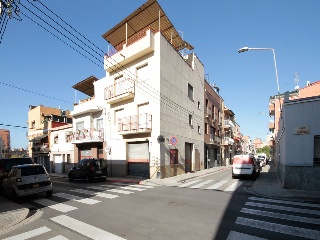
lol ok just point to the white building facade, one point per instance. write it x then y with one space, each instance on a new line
149 107
298 144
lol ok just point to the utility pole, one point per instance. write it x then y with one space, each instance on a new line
8 9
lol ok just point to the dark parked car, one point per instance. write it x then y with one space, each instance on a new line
89 169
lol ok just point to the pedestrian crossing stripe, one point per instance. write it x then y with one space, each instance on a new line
60 237
283 208
241 236
279 228
281 216
88 201
84 229
99 194
233 186
29 234
199 185
189 183
119 191
61 207
132 188
217 185
285 202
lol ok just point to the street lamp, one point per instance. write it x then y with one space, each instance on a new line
245 49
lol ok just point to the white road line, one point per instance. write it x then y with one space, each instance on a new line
233 186
30 234
290 209
241 236
279 228
281 216
61 207
99 194
98 188
134 189
88 201
119 191
285 202
189 183
217 185
199 185
85 229
140 186
108 186
60 237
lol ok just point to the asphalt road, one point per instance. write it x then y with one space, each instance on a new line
210 207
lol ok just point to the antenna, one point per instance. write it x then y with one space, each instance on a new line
296 80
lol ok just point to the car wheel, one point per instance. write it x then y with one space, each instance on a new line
87 179
49 193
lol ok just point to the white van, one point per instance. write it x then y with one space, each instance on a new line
245 165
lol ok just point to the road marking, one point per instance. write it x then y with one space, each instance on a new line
290 209
285 202
189 183
274 227
60 237
120 191
233 186
84 228
88 201
99 194
29 234
135 189
61 207
140 186
199 185
241 236
281 216
217 185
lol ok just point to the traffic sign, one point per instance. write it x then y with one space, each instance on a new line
173 141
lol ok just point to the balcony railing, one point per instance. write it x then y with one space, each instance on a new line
228 141
135 124
228 124
271 109
40 148
87 135
119 91
215 139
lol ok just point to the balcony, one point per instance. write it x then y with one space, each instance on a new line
271 126
120 91
228 141
134 48
228 124
209 112
141 123
271 109
87 135
88 105
40 148
215 139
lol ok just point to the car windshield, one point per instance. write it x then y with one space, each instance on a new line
32 170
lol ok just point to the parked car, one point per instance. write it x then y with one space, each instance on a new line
7 163
245 165
27 179
262 158
89 169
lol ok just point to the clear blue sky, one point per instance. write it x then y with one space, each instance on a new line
36 68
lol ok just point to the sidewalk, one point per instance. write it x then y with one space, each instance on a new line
266 185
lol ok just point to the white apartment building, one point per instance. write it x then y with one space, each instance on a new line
146 116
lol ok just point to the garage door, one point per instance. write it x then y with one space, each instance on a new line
138 159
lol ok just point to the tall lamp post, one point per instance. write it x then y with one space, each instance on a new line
245 49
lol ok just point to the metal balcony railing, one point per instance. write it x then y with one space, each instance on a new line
121 90
136 123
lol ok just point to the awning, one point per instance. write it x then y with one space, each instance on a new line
146 16
86 86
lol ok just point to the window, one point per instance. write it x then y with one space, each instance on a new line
190 92
316 154
173 156
79 126
68 158
99 124
55 139
199 105
190 119
206 128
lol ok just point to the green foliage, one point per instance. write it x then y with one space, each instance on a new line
265 149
